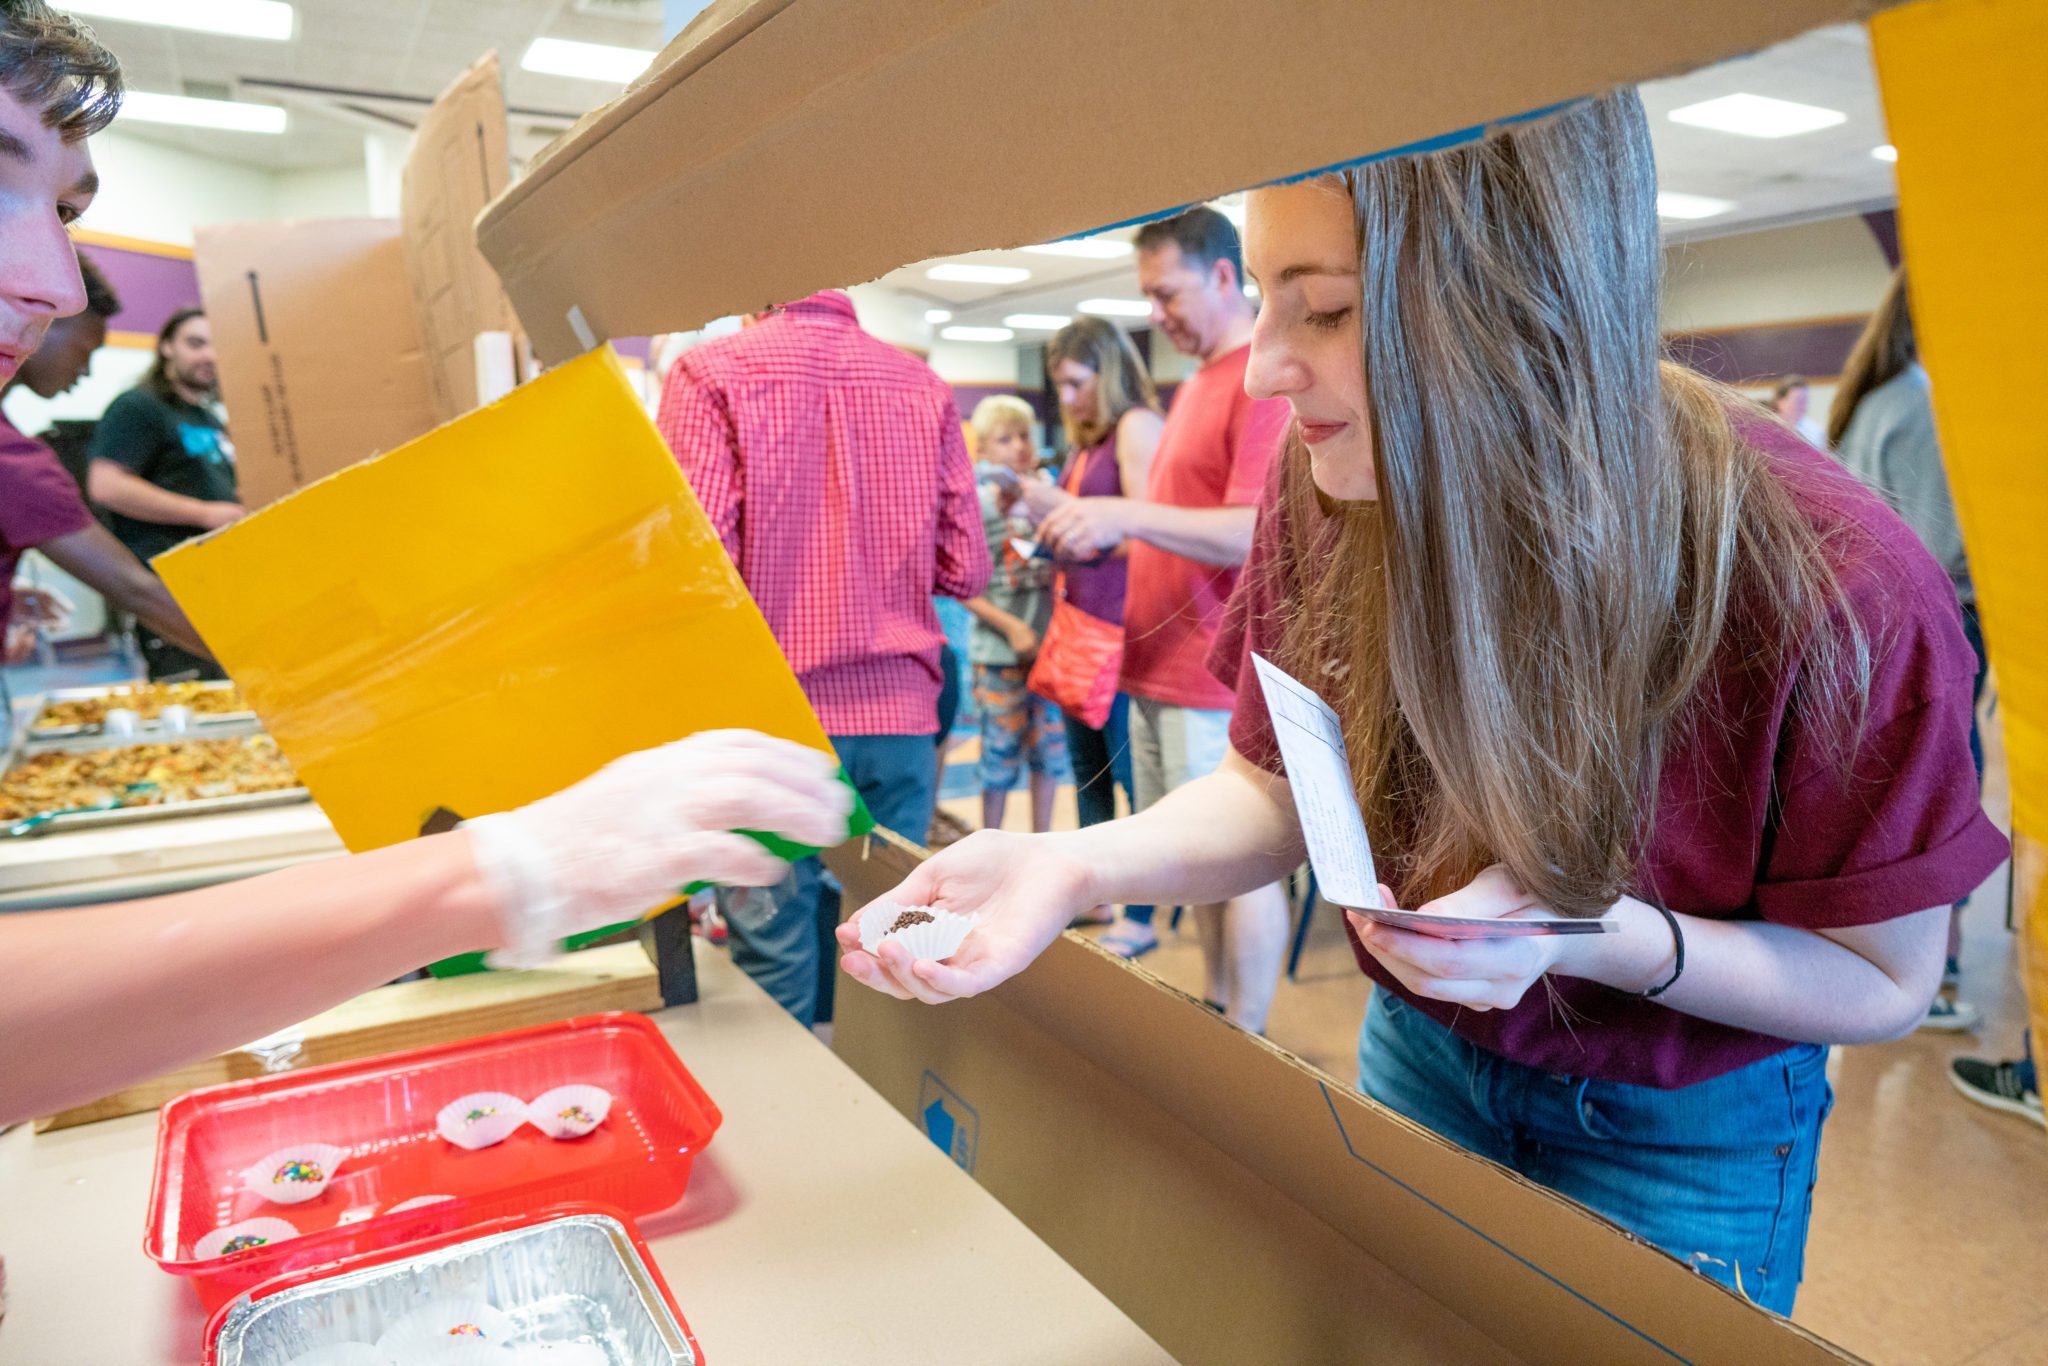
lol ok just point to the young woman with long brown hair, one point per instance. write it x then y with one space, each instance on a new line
1606 642
1111 415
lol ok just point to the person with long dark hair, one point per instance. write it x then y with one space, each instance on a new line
1881 425
1605 641
163 469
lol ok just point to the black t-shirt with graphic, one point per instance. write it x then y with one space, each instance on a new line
174 445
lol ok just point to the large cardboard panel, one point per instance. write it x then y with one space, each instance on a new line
319 350
1241 1206
784 146
1973 193
459 161
489 613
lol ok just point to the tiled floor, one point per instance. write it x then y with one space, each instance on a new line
1930 1234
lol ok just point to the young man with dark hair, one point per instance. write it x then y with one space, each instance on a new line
163 468
1188 534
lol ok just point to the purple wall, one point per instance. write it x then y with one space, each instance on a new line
1745 355
151 287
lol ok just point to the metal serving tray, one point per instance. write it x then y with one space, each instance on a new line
209 723
575 1279
93 818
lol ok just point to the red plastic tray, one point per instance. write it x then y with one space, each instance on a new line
218 1318
382 1111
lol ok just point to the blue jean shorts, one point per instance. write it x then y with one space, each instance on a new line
1719 1174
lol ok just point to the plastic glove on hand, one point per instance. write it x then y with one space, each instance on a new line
643 827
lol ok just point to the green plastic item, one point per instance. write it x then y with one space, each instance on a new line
858 824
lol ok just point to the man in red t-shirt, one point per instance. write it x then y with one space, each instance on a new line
1187 537
40 506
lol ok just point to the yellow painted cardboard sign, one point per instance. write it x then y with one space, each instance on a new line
489 613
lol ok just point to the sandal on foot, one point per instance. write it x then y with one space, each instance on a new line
1130 940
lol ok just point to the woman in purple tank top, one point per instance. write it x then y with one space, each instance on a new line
1112 418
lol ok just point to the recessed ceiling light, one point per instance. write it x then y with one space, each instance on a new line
1885 153
232 115
977 334
587 61
1116 308
1757 116
1038 322
1671 204
961 273
1088 248
271 19
938 315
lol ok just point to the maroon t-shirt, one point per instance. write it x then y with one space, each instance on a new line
1755 817
38 503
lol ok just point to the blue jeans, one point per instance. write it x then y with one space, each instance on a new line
792 955
1719 1174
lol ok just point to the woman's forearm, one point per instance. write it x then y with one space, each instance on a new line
1213 839
304 939
1859 985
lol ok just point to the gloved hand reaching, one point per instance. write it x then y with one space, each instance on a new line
633 834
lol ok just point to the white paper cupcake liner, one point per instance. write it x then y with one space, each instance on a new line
294 1175
342 1354
560 1354
480 1119
444 1327
240 1237
417 1202
570 1111
937 938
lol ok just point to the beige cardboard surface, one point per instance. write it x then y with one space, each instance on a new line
1240 1205
458 162
785 146
319 346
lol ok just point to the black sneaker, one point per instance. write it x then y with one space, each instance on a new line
2009 1086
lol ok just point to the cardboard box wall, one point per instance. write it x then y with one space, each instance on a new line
338 339
782 146
318 345
1241 1206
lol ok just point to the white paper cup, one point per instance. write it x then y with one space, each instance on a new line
467 1325
176 719
570 1111
480 1119
241 1237
119 721
560 1354
294 1175
342 1354
934 934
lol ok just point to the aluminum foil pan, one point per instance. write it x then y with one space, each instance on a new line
577 1279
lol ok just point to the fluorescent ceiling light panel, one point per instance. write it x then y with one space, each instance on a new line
232 115
586 61
1116 308
269 19
977 334
1087 248
962 273
1757 116
938 315
1038 322
1671 204
1885 153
